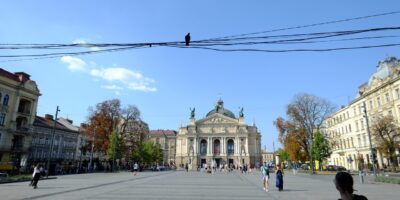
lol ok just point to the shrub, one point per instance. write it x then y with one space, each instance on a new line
391 180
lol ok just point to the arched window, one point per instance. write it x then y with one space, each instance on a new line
2 118
231 147
217 147
203 147
5 100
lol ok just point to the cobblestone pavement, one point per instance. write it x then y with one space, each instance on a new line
188 185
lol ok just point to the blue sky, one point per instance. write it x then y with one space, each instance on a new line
165 82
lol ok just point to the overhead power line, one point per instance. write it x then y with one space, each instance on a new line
311 25
233 43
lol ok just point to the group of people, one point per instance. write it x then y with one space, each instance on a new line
265 177
343 183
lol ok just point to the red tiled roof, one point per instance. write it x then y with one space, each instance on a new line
9 75
41 121
162 132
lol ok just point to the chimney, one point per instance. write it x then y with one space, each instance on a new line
22 76
84 126
48 116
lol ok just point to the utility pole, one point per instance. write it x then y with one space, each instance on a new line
52 141
91 152
273 154
369 138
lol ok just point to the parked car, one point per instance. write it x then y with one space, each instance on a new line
340 168
335 168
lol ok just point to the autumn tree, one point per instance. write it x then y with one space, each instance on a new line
305 115
102 121
108 116
387 137
294 140
321 149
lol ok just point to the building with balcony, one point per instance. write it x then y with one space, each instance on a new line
64 143
347 128
218 139
166 139
18 102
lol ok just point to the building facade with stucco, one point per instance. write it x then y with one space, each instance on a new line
167 140
347 128
219 138
18 103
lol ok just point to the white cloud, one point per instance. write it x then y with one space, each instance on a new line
130 79
117 78
74 63
84 43
142 86
112 87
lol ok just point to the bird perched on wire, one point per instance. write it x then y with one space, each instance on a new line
187 39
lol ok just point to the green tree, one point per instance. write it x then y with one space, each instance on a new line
321 149
148 153
114 150
283 154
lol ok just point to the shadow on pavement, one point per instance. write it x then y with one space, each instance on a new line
293 190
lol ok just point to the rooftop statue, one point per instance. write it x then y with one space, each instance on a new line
241 112
192 112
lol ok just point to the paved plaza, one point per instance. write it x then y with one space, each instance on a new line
187 185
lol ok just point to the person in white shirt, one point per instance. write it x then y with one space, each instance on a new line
135 168
36 176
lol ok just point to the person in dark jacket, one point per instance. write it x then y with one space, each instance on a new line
344 184
279 178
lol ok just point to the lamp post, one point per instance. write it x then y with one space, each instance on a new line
52 141
369 138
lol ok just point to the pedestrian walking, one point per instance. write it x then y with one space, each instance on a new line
265 176
294 168
187 167
279 178
35 176
135 168
344 184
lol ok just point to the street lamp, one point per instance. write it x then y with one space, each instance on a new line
369 138
52 141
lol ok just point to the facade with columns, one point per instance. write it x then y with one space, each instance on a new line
219 138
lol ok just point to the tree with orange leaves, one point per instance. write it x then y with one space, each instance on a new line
108 116
293 139
103 120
